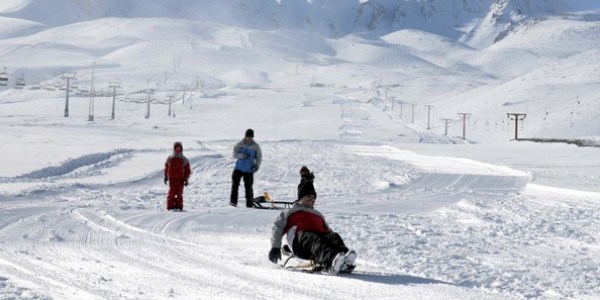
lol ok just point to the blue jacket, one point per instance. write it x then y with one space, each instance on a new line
248 156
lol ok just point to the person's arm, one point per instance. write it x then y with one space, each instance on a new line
238 152
167 169
258 157
187 171
278 227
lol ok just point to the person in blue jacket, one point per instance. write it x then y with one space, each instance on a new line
248 157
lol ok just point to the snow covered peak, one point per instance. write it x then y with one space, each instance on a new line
457 19
475 22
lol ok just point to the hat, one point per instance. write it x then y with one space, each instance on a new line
249 133
307 189
304 170
177 144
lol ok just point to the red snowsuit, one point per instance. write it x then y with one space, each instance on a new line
177 171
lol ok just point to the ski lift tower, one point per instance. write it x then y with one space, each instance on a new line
517 117
4 78
149 93
464 117
92 94
114 86
68 77
170 96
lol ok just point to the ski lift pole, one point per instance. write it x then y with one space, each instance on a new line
517 117
429 107
464 117
68 77
92 95
114 86
446 122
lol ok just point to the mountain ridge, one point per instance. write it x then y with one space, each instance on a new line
478 23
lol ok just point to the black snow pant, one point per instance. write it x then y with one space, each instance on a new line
319 247
248 182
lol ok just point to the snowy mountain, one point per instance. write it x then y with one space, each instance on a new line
370 95
484 21
482 44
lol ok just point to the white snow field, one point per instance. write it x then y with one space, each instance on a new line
431 216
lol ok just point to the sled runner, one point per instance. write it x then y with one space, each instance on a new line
266 202
307 266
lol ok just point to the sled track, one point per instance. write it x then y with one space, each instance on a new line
119 236
196 253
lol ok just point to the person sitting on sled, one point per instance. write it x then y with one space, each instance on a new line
177 172
309 235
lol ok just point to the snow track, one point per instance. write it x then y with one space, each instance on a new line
432 221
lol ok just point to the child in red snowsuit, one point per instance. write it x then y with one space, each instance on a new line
177 172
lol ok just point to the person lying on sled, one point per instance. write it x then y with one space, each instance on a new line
309 235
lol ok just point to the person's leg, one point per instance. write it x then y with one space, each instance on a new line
334 240
316 246
171 195
248 182
179 193
301 246
235 184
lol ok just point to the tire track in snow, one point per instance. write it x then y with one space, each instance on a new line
93 161
355 117
91 164
452 174
118 257
139 250
206 269
32 261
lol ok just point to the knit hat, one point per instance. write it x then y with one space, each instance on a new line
249 133
304 170
307 189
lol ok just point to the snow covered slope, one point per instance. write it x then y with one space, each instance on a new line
355 90
543 65
479 22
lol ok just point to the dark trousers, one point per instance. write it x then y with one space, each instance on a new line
321 248
248 182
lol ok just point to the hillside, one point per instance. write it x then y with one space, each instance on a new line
367 94
476 22
511 56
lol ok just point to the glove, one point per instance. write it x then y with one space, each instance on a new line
275 255
254 168
185 182
166 179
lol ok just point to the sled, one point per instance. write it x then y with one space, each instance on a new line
266 202
308 266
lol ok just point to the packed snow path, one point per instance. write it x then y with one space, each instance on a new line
414 220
